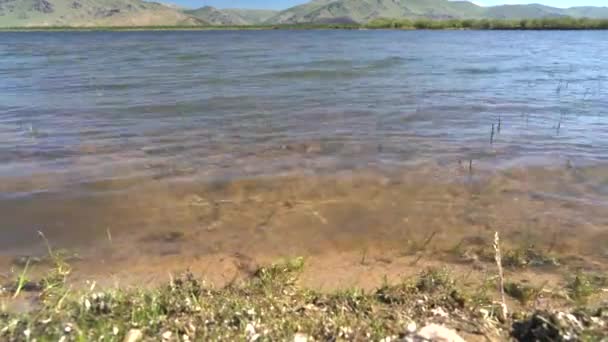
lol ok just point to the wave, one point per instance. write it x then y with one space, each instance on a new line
386 63
314 74
478 71
337 69
192 57
330 63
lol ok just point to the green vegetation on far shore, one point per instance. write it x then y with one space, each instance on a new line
565 23
186 28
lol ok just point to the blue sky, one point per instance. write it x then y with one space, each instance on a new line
282 4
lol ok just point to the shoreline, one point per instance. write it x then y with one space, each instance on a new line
428 269
271 302
222 28
544 24
373 280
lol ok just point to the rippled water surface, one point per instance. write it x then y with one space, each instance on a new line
91 122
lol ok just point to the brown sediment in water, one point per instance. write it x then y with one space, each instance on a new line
354 227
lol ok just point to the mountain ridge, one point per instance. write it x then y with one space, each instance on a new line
91 13
362 11
231 16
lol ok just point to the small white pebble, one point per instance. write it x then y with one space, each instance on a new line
411 327
115 330
299 337
597 321
250 329
439 312
345 332
27 333
133 335
67 329
484 313
435 332
167 335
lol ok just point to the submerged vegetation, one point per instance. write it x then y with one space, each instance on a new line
272 306
562 23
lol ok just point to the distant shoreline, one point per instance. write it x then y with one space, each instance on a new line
547 24
221 28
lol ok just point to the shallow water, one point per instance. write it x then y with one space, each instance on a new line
280 142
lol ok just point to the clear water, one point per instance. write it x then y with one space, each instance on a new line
82 110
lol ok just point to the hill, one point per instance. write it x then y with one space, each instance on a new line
237 17
252 16
588 12
215 16
361 11
90 13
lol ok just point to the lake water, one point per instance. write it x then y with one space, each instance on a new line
184 143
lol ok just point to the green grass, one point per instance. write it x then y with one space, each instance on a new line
512 258
523 293
183 28
565 23
584 285
22 279
271 305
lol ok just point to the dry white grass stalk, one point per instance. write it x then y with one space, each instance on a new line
501 277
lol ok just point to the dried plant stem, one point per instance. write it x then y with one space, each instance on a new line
501 278
423 247
47 243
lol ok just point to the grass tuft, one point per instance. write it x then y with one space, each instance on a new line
268 306
435 279
584 285
522 292
22 280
